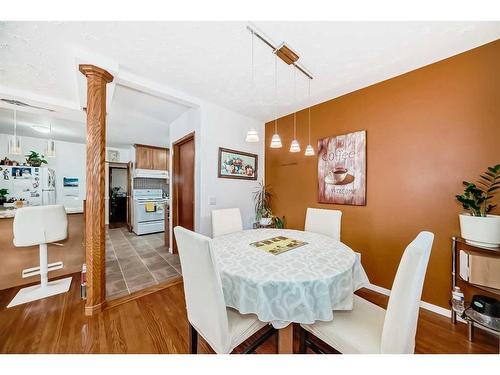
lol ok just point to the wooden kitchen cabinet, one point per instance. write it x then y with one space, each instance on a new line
151 157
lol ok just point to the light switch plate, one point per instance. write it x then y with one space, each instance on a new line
212 201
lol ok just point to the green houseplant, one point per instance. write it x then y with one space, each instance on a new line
3 196
478 226
35 159
263 212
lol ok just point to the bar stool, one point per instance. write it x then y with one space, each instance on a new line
40 225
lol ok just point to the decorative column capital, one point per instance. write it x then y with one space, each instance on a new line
92 70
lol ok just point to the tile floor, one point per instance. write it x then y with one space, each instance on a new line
137 262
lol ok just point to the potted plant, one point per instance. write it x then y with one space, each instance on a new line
262 198
3 196
478 227
34 159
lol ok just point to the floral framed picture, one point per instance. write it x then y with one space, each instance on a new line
237 164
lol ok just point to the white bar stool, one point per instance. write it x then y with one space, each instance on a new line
40 225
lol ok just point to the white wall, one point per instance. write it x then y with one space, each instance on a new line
70 161
215 127
119 178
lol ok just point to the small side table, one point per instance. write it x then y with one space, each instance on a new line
471 316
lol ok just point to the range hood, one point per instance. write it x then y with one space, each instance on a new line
151 173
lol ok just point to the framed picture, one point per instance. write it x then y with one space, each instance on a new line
237 164
70 181
342 169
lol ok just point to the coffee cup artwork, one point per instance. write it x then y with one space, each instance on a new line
342 169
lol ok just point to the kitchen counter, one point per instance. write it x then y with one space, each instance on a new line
14 259
10 212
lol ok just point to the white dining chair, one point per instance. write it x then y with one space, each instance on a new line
225 221
368 328
223 328
323 221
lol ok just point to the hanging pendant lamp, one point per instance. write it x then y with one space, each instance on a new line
252 134
309 148
14 147
276 139
294 146
51 145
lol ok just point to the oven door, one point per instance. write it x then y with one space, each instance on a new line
143 216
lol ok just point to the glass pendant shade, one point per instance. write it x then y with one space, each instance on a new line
252 135
276 141
15 145
309 150
295 147
51 149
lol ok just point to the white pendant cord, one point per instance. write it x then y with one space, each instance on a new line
275 93
309 100
294 102
15 124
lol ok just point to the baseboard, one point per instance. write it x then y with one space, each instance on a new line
425 305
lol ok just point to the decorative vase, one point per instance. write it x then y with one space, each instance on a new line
481 231
266 221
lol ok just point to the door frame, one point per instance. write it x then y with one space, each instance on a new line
128 167
175 184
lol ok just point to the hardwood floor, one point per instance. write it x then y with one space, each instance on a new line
156 323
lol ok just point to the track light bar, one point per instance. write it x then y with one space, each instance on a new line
283 51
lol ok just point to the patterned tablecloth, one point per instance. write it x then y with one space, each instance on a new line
301 285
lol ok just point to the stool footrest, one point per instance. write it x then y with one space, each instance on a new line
36 292
28 272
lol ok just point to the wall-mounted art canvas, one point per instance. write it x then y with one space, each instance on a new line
237 164
342 169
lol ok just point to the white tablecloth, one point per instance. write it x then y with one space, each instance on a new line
302 285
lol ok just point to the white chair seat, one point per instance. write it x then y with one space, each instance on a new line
241 327
352 332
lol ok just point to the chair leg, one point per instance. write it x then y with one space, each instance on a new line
302 340
251 348
193 340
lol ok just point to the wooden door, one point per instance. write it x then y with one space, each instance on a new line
129 196
183 188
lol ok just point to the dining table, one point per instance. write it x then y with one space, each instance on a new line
307 283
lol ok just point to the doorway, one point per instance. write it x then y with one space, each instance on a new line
119 195
183 184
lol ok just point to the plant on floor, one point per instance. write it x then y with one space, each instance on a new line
35 159
3 196
477 199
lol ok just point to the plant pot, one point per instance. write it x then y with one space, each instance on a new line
35 163
481 231
266 220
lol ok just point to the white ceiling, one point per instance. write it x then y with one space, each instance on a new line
212 61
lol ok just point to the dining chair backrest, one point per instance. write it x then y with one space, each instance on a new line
225 221
323 221
205 304
400 323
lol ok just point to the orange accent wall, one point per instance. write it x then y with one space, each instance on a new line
427 130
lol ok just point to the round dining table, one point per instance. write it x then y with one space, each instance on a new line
301 285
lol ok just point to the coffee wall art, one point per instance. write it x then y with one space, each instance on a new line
237 164
342 169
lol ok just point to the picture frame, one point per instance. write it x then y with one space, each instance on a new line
237 165
342 169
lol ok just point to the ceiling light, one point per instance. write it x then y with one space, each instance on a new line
276 141
51 145
309 148
252 135
295 147
41 129
14 147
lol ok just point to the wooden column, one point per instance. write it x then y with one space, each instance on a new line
95 232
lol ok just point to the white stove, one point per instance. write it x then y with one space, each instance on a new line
149 211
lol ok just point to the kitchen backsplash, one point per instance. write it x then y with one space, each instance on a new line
151 183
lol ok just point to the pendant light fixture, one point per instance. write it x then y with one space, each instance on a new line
309 148
14 141
252 134
294 146
51 145
276 140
